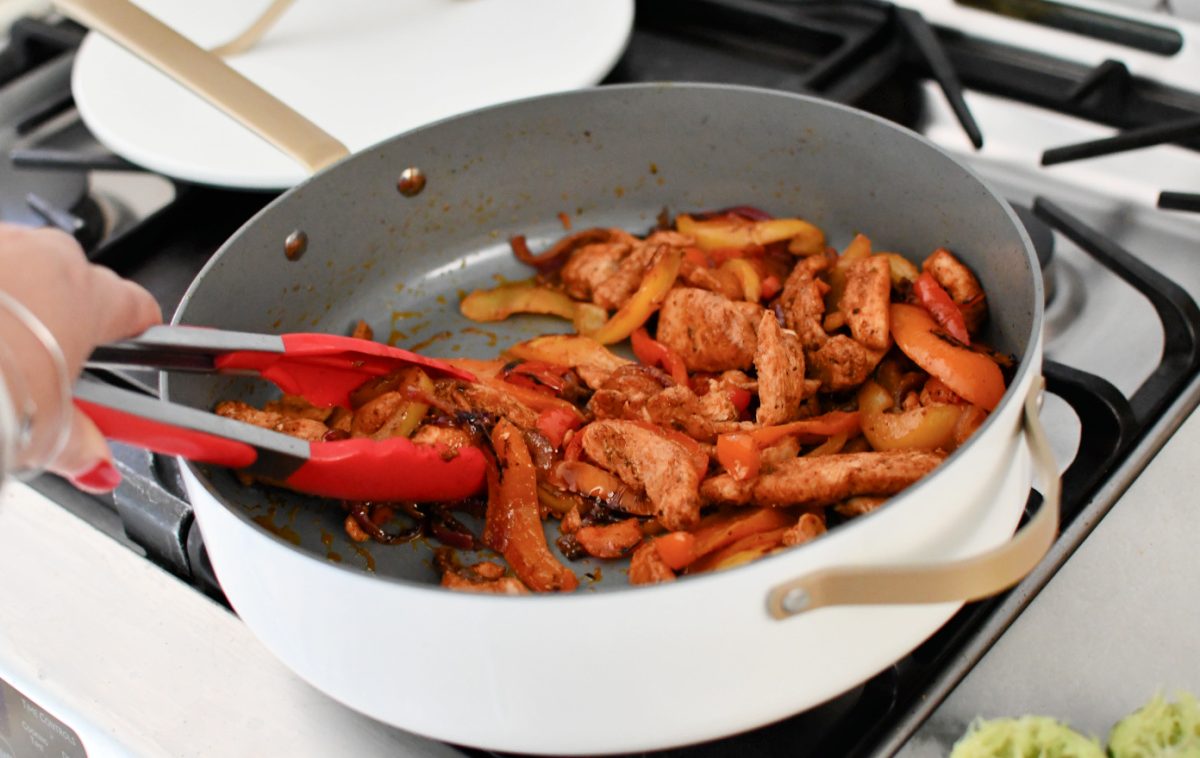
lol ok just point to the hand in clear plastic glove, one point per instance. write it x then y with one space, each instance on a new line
45 275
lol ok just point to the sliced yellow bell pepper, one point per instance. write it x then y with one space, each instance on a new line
923 428
735 231
748 278
901 268
501 302
639 307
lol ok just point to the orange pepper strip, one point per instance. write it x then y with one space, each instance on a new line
971 375
677 549
638 308
721 529
513 527
826 425
738 453
651 352
744 550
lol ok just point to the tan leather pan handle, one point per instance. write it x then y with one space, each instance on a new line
209 77
960 580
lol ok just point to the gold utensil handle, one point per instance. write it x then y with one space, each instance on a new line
209 77
959 580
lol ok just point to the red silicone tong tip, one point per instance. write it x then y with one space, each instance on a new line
351 349
389 470
326 368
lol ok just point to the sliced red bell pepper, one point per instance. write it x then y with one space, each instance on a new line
740 398
944 310
651 352
771 286
537 375
554 423
574 449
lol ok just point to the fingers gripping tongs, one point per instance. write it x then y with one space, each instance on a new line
324 369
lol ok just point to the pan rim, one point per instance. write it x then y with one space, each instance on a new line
1028 363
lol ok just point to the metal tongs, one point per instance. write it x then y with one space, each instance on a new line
324 369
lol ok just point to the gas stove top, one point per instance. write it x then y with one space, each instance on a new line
1030 102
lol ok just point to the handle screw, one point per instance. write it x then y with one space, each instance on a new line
795 600
295 244
412 181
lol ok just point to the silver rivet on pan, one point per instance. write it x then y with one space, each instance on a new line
412 181
794 600
295 245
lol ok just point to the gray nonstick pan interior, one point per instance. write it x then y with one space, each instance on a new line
614 156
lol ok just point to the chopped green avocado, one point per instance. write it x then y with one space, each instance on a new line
1159 730
1026 737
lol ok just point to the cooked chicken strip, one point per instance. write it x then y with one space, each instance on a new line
810 526
708 331
866 301
619 284
480 398
679 408
779 360
505 585
304 428
842 363
804 307
647 566
295 406
591 265
783 450
625 392
723 489
451 439
642 458
827 479
962 286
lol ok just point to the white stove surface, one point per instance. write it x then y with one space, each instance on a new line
105 641
1115 625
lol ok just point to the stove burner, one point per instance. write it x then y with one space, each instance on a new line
35 197
1043 244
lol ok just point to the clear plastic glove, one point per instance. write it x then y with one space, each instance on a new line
81 305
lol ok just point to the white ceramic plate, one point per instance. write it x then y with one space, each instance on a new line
363 70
